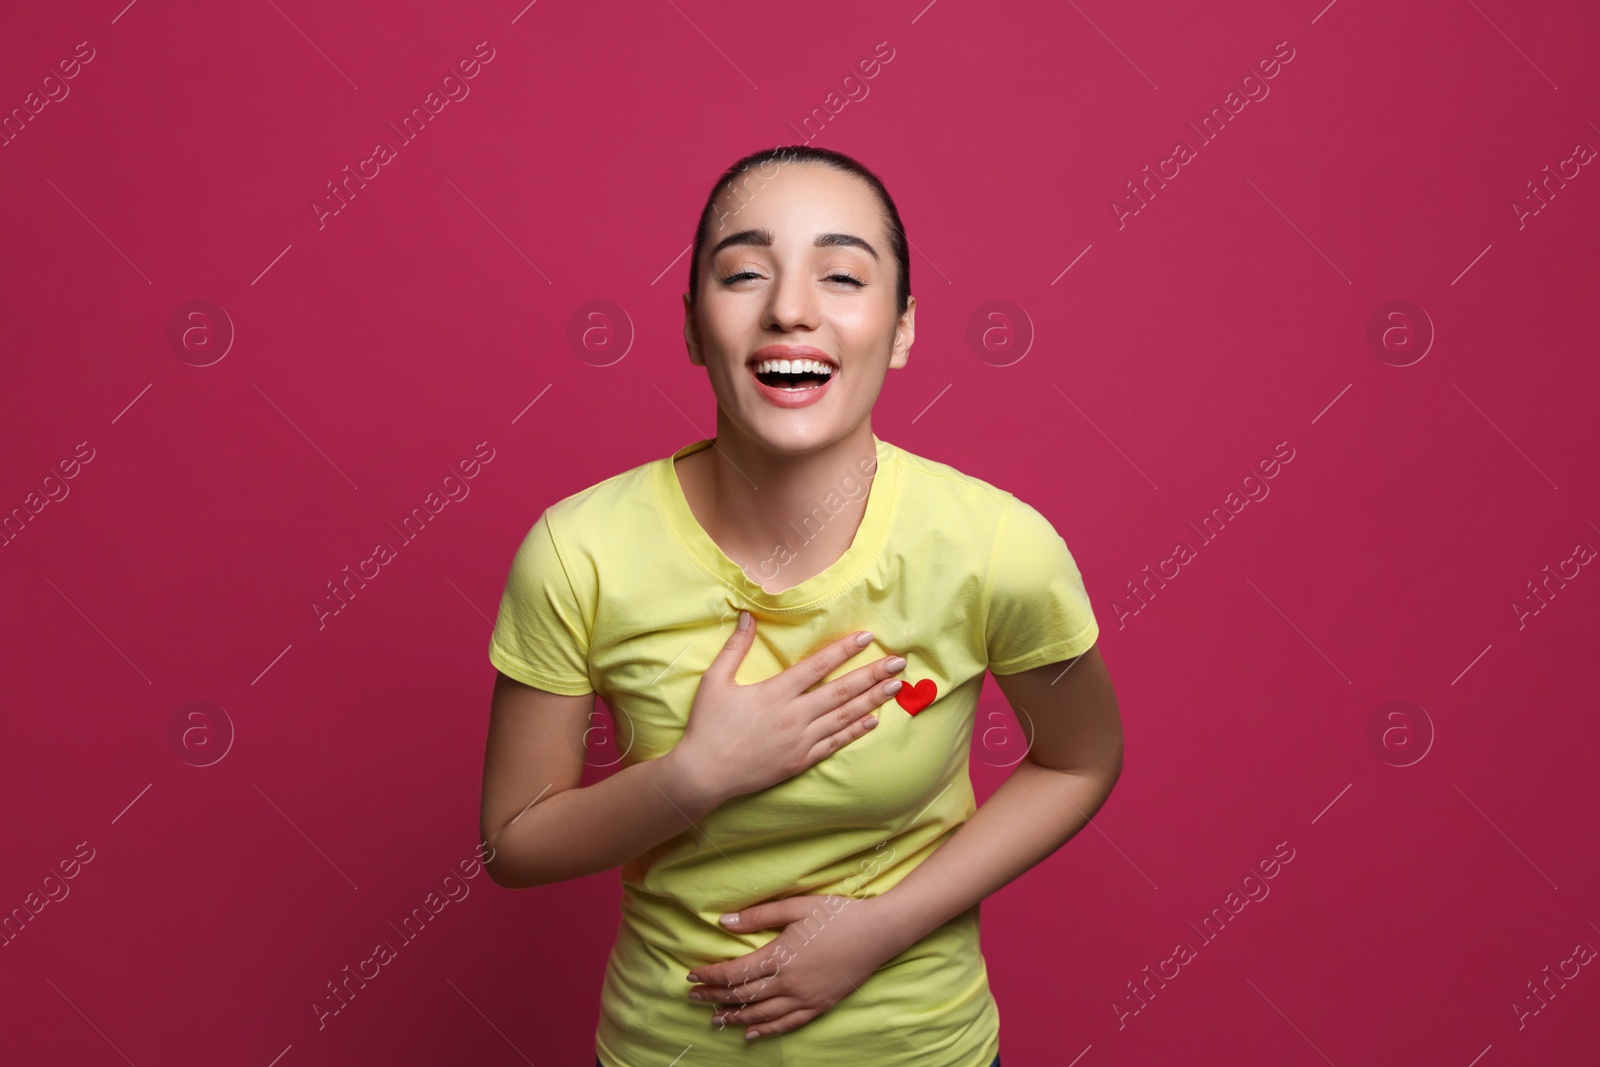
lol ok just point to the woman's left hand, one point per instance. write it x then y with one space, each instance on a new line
828 947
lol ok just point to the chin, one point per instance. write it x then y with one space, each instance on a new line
795 432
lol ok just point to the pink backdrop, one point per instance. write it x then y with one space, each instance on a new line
218 395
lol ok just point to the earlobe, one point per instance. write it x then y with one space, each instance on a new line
904 336
689 340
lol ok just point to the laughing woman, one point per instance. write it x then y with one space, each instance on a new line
790 624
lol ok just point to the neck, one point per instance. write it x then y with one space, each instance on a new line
785 517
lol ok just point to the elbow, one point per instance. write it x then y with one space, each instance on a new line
502 871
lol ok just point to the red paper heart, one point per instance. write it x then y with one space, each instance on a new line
916 697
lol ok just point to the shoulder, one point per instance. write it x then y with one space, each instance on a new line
582 529
930 483
582 515
1012 538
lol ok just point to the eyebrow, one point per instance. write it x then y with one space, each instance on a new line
823 240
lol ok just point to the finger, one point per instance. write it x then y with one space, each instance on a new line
726 662
831 732
793 1020
762 1011
834 695
817 666
738 992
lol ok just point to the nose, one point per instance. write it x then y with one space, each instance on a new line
792 303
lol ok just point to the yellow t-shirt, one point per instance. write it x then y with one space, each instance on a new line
618 590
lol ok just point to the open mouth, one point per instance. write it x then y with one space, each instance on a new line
793 375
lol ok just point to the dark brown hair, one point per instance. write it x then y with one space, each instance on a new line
805 154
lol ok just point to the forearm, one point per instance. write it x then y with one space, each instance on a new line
579 831
1034 812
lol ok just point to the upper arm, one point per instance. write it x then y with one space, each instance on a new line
543 696
1040 633
1036 609
1068 710
546 617
534 751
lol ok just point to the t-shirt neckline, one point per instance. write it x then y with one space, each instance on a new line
869 538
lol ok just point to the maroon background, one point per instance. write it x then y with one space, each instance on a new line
374 352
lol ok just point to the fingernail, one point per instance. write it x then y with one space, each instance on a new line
864 638
750 1035
695 994
897 663
894 686
744 620
729 919
871 721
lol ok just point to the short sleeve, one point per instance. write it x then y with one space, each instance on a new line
541 637
1038 611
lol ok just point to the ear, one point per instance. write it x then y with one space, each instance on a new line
691 338
905 332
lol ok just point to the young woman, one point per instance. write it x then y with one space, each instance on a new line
791 623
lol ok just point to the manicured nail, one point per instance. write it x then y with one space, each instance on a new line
896 663
750 1035
730 918
893 687
871 721
744 620
864 638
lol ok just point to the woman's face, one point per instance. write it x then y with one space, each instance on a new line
799 268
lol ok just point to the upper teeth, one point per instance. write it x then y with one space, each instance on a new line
793 366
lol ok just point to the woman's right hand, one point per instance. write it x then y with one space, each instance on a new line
744 738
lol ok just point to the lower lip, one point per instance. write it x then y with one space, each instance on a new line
792 398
